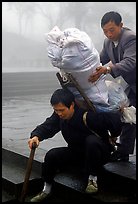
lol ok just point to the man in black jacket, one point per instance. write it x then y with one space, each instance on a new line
87 137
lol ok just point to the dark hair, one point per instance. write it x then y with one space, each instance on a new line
63 96
111 16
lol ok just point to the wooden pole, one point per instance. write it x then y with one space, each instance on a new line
28 172
78 87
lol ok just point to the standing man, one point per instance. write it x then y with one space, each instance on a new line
87 148
119 52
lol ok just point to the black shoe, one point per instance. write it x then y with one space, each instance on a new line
117 156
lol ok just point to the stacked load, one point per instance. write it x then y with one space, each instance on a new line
72 51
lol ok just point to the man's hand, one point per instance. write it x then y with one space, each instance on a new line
33 140
99 71
112 140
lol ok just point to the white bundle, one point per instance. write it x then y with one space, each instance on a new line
129 115
72 51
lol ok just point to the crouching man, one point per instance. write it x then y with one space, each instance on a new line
87 137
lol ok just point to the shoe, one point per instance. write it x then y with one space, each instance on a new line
92 187
38 198
117 156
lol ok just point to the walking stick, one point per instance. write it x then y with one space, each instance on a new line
28 172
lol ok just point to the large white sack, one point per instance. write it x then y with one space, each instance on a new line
72 51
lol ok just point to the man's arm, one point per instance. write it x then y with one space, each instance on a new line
104 58
126 64
105 121
48 129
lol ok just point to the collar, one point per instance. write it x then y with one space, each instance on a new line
115 43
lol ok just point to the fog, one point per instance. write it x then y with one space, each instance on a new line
24 24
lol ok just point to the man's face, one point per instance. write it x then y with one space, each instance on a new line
112 31
63 111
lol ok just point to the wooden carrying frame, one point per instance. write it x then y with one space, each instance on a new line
71 81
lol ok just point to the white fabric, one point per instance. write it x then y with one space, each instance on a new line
94 178
73 52
117 96
129 115
47 188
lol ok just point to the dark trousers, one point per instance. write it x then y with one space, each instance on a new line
91 158
128 135
127 139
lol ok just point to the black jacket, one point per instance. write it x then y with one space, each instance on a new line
75 131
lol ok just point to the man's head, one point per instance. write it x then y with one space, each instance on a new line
63 102
111 24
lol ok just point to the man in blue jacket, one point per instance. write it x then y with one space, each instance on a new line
87 138
119 52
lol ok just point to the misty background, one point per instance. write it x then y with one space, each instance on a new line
24 24
28 77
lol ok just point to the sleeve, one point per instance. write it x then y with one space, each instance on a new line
104 58
47 129
104 121
128 62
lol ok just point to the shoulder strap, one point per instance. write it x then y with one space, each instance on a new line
85 122
84 118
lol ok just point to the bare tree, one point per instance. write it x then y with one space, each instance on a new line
54 13
75 12
25 12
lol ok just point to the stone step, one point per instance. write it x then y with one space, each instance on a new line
119 176
70 185
13 174
7 197
116 181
